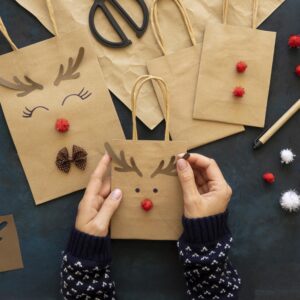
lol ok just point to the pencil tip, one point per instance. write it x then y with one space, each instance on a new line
257 144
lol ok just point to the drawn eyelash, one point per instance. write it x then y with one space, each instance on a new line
83 95
27 113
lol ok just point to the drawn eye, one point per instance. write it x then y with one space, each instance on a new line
27 113
137 190
83 95
155 190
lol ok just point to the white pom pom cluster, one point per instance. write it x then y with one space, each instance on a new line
287 156
290 201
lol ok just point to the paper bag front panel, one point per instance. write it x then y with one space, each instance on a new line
84 101
223 47
163 221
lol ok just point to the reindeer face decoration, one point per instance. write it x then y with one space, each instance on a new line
145 171
58 110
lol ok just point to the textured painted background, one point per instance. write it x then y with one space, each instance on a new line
267 240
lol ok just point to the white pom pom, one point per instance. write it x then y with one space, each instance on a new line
287 156
290 201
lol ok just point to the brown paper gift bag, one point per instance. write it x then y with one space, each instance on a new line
59 78
10 253
146 173
180 71
223 47
121 67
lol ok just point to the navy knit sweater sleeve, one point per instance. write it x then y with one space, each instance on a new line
85 271
203 249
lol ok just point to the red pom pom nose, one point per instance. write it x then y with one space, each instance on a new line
297 70
241 67
239 92
294 41
62 125
146 204
269 177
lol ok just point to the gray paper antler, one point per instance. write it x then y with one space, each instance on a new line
70 74
124 166
18 85
169 170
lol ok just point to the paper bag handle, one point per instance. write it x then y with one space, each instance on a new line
134 96
156 28
52 16
254 12
5 33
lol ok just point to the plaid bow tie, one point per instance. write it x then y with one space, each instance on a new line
79 158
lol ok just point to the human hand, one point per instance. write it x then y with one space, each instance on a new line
205 191
98 205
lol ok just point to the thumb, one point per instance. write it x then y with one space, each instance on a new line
109 206
187 179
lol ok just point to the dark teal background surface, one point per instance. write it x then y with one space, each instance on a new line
267 240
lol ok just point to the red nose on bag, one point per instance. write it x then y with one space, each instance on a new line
62 125
146 204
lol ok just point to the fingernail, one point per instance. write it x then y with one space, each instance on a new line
182 164
116 194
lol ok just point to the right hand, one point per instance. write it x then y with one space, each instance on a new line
205 191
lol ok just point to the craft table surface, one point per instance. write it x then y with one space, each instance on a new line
267 240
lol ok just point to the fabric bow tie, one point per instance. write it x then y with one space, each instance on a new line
79 158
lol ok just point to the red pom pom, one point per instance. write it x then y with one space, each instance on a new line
294 41
239 91
62 125
147 204
297 70
269 177
241 67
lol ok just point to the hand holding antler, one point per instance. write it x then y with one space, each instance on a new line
98 204
205 191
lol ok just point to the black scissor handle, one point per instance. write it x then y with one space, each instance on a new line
124 39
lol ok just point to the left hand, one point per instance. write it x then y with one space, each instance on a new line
98 205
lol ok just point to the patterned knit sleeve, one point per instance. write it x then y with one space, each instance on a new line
203 249
85 270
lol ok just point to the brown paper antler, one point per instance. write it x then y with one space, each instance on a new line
169 170
70 74
124 166
18 85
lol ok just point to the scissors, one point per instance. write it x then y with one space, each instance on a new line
139 31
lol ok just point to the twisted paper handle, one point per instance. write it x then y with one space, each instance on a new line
4 31
156 28
134 96
52 16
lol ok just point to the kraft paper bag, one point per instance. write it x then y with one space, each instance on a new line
223 47
180 71
152 204
10 253
57 79
122 66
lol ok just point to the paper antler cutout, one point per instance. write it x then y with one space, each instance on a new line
70 74
124 166
24 88
169 170
2 226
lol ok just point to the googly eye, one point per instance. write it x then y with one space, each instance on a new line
155 190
